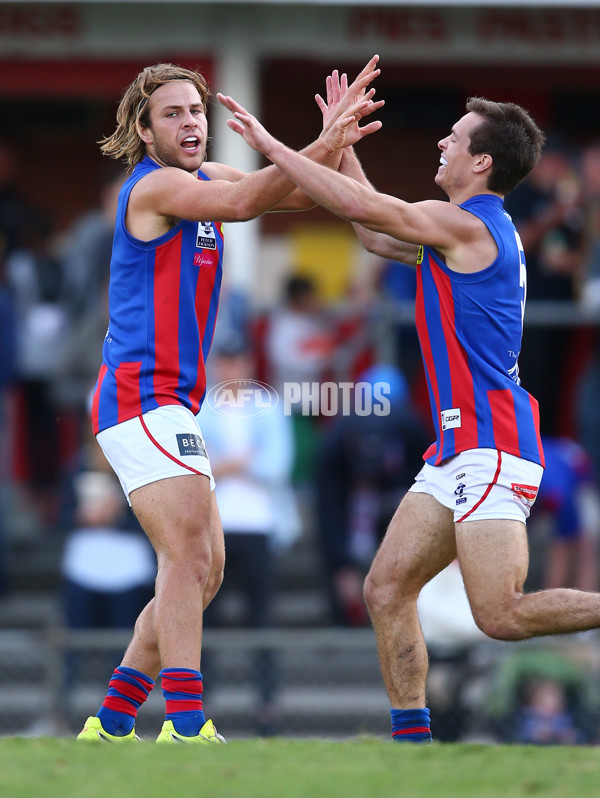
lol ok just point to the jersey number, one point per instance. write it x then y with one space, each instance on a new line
522 277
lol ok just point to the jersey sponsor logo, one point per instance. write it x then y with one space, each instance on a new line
203 259
528 492
191 443
451 418
206 239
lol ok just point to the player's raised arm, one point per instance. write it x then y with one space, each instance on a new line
340 95
338 100
432 222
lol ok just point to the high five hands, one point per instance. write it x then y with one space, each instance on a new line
341 98
345 106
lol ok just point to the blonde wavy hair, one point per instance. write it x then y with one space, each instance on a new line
125 143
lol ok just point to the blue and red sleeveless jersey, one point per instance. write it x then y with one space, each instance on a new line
163 302
470 328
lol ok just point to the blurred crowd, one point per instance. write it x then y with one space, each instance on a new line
327 482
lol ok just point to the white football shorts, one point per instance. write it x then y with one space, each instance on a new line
481 484
165 442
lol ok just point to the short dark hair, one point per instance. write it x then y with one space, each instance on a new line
510 136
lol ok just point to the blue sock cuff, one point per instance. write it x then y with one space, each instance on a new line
405 716
411 725
193 674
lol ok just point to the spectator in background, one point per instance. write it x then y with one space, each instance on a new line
251 457
569 495
86 270
89 247
365 465
108 568
544 718
543 697
547 209
588 384
36 278
299 346
590 176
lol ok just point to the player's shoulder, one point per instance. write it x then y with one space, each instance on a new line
160 181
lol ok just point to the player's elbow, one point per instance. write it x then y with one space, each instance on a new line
369 242
244 210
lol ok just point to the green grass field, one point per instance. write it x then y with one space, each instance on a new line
49 768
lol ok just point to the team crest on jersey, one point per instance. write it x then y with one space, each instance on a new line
206 238
451 419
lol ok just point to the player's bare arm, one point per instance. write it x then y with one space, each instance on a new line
460 237
159 200
340 96
337 92
378 243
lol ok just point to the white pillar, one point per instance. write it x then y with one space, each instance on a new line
236 74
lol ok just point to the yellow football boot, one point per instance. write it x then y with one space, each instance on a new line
93 732
208 734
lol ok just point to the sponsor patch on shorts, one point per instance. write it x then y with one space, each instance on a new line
528 492
190 443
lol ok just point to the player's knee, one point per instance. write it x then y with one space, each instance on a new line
195 561
380 595
498 624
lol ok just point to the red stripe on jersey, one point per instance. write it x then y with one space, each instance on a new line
504 420
461 379
167 269
421 323
204 289
129 403
96 400
487 490
535 411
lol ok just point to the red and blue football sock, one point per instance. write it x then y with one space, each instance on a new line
127 691
182 689
411 726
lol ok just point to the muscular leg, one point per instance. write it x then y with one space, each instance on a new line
181 518
494 558
418 544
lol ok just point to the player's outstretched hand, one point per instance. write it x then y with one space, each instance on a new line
345 131
341 97
247 125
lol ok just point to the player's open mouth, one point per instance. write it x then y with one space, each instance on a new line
443 161
191 143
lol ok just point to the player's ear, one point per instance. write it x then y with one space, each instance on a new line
145 133
483 161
